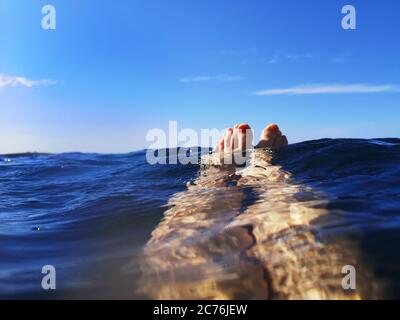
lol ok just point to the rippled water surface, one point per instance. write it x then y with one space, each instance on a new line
116 227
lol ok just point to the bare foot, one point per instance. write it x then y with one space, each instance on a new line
237 140
272 137
234 143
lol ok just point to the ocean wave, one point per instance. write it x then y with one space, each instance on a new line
91 215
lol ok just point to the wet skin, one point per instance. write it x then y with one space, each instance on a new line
238 139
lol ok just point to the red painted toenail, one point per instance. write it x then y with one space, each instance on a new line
243 127
273 128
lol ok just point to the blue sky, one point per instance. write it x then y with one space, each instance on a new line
112 70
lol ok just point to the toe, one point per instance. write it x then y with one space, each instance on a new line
228 140
243 127
242 136
272 137
273 128
225 142
271 131
280 142
220 146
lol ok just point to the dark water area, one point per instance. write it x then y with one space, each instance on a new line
90 215
361 179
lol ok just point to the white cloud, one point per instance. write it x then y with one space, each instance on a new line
258 56
16 81
330 89
217 78
278 57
